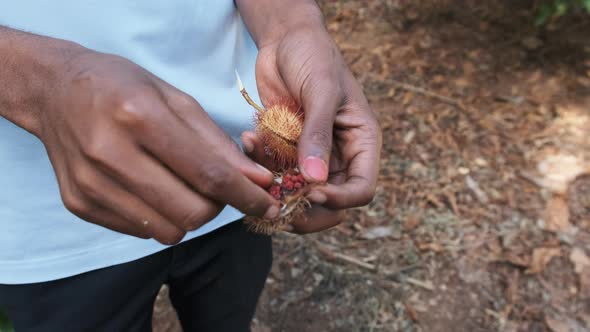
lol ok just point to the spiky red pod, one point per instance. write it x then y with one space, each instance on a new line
290 189
279 127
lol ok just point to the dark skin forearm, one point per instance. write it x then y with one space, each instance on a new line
29 69
269 20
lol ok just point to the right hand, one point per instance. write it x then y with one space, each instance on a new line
136 155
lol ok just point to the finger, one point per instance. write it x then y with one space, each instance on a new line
103 191
360 184
186 107
247 139
101 215
269 81
315 144
362 150
356 191
317 219
89 211
317 85
162 190
255 149
198 155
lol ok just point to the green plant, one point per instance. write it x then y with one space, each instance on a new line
5 325
548 9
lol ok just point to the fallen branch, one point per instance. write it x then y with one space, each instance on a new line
395 275
423 284
344 258
422 91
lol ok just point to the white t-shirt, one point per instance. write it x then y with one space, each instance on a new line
194 45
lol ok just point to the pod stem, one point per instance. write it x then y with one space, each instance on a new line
245 94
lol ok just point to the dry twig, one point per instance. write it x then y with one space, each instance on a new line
344 258
428 93
422 284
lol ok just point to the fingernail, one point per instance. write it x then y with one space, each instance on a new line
248 146
317 197
316 168
272 212
266 170
288 228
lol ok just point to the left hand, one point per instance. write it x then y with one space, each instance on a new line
341 139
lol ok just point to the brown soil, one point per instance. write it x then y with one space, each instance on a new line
482 216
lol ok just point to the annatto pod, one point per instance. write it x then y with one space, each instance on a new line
279 127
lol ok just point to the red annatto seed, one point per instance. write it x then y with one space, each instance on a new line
299 178
297 185
289 185
275 192
275 189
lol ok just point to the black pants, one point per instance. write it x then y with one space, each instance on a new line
215 281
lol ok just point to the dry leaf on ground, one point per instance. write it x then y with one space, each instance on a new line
411 222
541 257
559 170
580 260
377 232
582 267
557 214
564 324
556 325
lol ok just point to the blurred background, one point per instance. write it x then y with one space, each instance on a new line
482 216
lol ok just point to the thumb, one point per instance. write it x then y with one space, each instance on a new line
315 144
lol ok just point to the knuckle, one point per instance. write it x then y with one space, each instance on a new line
372 138
99 150
339 217
378 134
171 238
182 100
322 83
131 107
322 139
76 205
128 113
198 217
366 118
140 232
366 196
143 235
86 181
216 179
372 121
255 205
324 96
326 82
326 75
192 221
373 126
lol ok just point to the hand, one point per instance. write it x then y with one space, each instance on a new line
136 155
341 139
